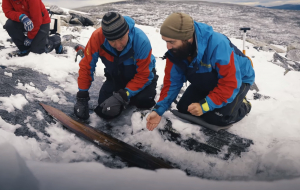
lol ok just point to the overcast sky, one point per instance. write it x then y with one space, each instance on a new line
81 3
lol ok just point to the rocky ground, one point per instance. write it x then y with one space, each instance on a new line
268 26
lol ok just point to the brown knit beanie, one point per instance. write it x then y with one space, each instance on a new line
178 26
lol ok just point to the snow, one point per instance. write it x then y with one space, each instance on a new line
8 127
14 101
33 175
58 159
8 74
2 18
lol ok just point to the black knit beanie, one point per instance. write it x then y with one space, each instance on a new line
114 26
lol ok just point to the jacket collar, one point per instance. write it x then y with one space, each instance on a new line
202 34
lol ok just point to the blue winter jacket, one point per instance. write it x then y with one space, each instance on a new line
134 66
215 54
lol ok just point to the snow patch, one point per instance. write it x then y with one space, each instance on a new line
14 101
8 127
8 74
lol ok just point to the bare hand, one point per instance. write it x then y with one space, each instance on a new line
153 120
195 109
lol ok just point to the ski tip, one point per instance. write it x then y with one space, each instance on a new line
43 105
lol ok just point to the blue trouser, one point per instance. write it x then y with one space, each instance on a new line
231 113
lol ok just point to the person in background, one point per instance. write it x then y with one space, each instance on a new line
32 17
219 73
130 72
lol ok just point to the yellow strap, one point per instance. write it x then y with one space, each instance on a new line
205 106
244 52
251 62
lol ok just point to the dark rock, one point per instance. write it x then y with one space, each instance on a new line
57 10
75 21
66 18
89 21
84 19
285 63
258 96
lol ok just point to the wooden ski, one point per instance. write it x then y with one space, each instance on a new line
130 154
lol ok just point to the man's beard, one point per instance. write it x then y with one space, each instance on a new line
183 51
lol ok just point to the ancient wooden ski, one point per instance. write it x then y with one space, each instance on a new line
130 154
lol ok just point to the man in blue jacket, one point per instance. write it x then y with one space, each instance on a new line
219 73
130 72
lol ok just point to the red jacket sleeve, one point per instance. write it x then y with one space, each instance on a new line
35 16
88 62
9 11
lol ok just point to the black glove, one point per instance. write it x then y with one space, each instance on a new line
112 106
81 108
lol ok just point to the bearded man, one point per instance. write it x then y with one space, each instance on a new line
219 73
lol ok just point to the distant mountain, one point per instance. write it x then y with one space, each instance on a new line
286 6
